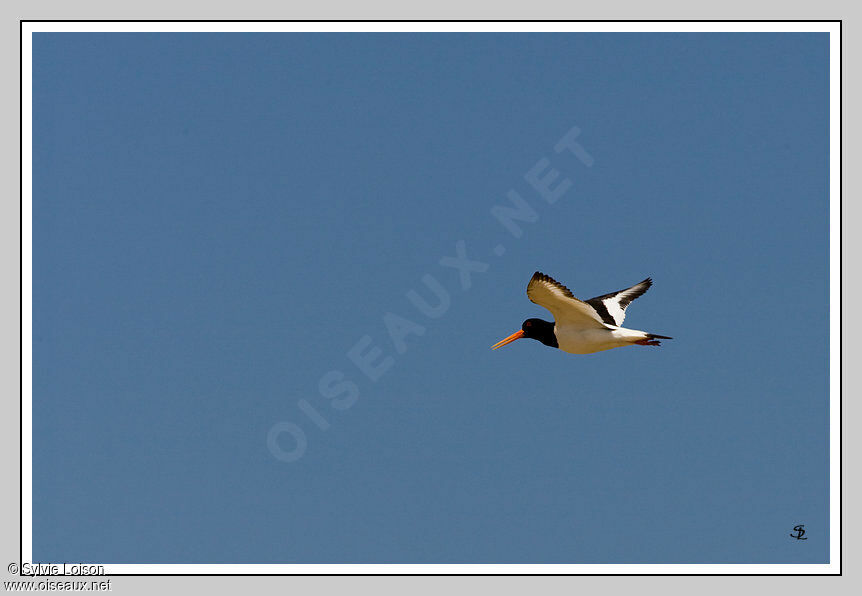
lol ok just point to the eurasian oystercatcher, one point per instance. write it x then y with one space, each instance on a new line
582 327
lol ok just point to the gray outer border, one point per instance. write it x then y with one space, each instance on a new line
380 9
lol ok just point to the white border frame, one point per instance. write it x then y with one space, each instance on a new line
831 27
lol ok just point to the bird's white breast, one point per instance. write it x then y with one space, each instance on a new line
586 341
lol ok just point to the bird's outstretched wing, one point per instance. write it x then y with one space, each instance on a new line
557 298
612 307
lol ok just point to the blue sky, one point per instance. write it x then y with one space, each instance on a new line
218 219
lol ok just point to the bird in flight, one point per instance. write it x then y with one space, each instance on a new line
582 327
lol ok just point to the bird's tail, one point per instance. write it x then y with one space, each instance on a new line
654 336
650 339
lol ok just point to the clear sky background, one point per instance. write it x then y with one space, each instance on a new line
219 219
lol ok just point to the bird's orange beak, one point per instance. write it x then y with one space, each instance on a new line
516 335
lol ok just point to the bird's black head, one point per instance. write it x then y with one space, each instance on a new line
540 330
537 329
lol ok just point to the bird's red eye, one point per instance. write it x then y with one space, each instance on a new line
527 324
